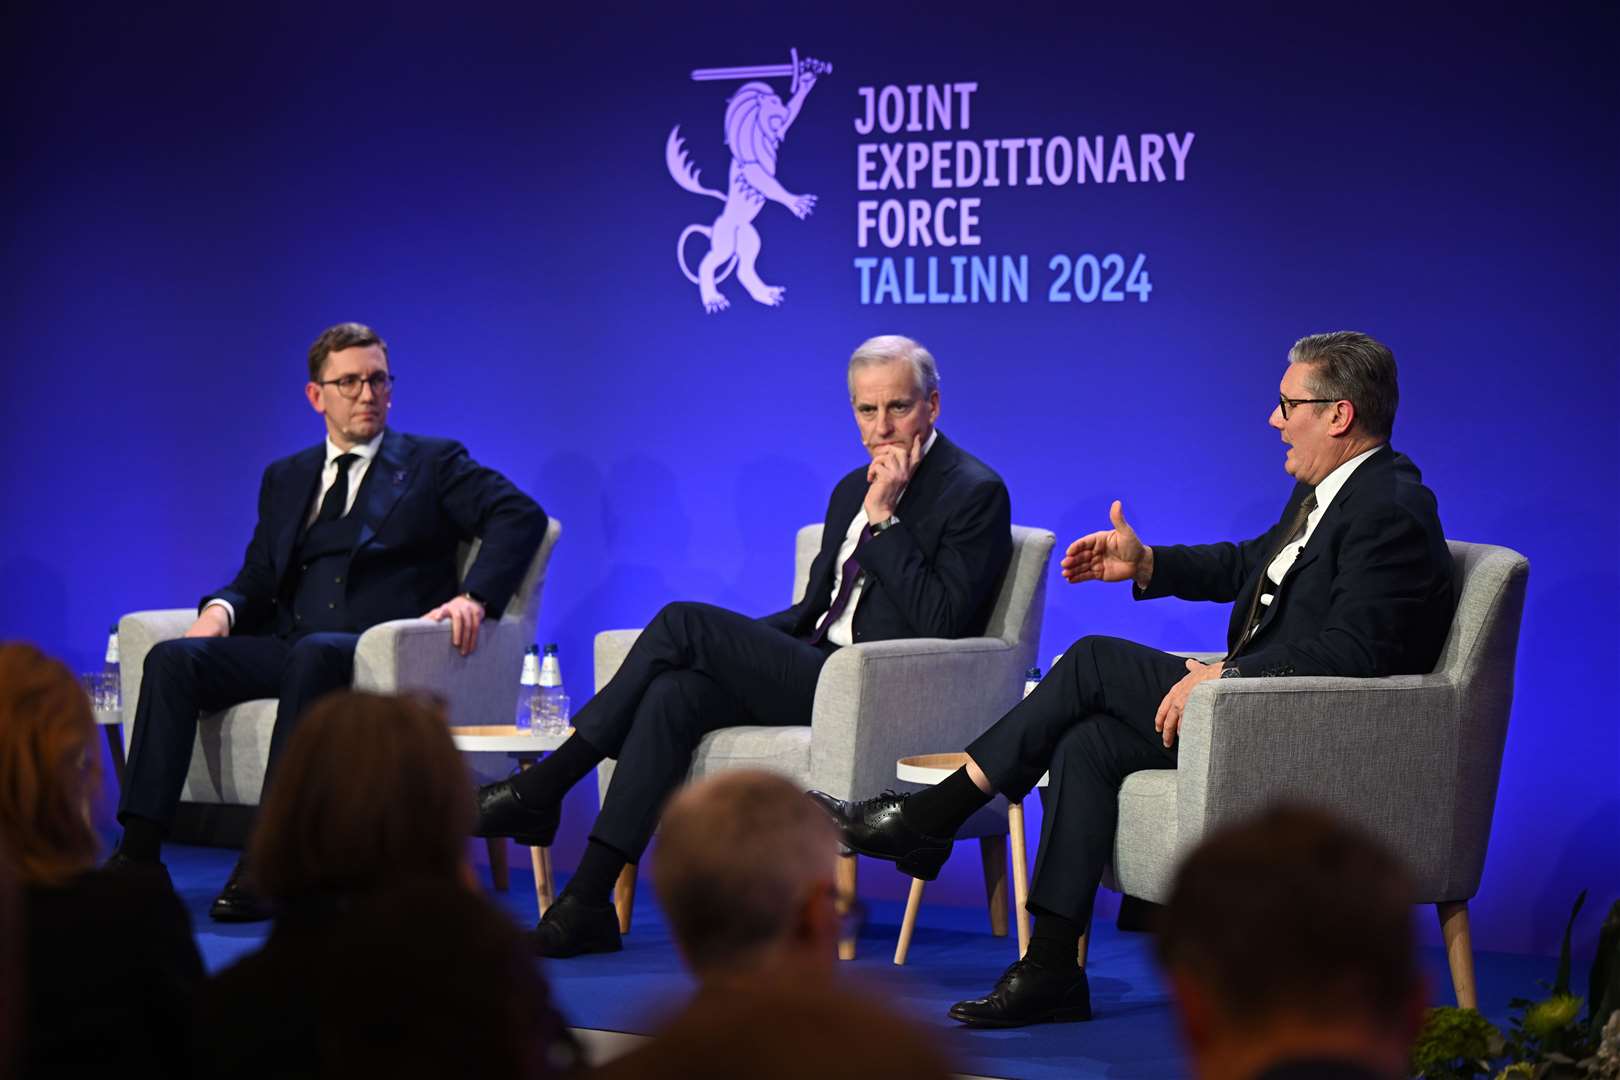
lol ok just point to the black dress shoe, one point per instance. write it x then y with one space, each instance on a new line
237 902
1029 994
571 927
119 863
502 813
877 827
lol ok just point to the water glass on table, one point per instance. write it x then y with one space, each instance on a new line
102 689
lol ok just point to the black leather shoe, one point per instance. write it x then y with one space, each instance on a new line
502 813
876 827
1029 994
571 927
119 863
238 903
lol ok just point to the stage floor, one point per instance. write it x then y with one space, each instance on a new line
953 956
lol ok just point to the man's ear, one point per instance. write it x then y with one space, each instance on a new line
1344 416
1194 1009
817 922
316 401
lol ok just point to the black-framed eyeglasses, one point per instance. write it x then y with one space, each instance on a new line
380 383
1287 403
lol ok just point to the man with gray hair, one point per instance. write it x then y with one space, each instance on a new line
915 544
744 872
1355 580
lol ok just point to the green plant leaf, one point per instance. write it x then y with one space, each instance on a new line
1561 984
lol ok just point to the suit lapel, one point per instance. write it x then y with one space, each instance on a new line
385 482
1342 504
292 505
930 477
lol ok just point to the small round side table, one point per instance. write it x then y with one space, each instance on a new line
931 769
525 748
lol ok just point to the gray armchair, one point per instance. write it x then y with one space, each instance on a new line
1413 758
878 702
227 765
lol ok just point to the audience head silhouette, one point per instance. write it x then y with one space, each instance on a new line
49 766
744 871
380 796
1288 939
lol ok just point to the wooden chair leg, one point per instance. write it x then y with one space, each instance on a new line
545 893
846 897
993 853
909 923
624 896
1085 944
499 869
1020 865
1459 952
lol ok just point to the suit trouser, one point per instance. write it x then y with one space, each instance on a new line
1090 721
696 668
188 676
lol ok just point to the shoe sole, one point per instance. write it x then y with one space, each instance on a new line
239 917
906 864
617 947
526 840
1072 1014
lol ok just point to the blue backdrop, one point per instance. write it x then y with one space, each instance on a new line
197 190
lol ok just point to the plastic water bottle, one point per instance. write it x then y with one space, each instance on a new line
529 699
553 716
1032 679
110 698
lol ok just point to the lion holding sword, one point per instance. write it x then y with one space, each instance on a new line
756 122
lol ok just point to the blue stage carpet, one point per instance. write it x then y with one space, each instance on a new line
953 956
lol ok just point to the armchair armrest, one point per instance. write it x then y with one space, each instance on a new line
885 700
611 647
1380 752
415 654
137 633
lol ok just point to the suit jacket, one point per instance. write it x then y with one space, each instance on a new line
1371 594
420 498
936 572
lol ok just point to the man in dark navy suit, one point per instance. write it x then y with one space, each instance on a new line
1355 580
352 533
915 545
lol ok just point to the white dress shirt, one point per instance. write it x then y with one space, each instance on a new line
1325 491
842 632
363 452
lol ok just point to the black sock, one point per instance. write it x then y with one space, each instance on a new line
143 839
551 777
598 869
941 809
1054 942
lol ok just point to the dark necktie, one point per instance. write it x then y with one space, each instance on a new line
846 585
1296 529
337 496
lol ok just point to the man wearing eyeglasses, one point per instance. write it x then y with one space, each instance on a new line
356 531
1354 580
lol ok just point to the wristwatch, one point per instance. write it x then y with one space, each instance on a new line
885 526
1231 673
